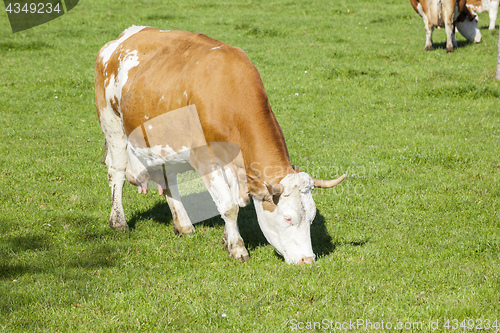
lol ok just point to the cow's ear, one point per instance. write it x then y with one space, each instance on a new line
275 191
296 168
461 5
256 187
262 190
472 13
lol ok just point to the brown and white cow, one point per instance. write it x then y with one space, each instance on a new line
479 6
448 14
212 88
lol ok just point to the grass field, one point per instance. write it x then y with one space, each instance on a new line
411 236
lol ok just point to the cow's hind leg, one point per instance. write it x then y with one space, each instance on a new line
428 29
182 222
428 36
493 12
116 160
449 26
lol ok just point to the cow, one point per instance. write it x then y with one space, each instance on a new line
479 6
449 14
195 84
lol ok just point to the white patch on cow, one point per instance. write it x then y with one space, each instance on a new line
287 227
112 127
146 117
129 61
111 47
420 10
151 164
219 189
158 155
185 94
115 84
216 48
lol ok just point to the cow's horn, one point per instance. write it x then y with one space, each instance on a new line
328 183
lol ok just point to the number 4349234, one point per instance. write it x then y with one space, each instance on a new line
32 8
477 324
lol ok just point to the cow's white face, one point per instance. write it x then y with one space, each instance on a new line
287 227
468 29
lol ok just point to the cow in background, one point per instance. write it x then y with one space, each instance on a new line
479 6
449 14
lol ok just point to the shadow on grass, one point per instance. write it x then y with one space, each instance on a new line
29 242
159 213
47 258
52 254
100 257
442 45
17 245
249 227
321 241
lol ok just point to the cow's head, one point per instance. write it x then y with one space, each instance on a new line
285 213
466 24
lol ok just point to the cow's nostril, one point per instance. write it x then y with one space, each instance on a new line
307 260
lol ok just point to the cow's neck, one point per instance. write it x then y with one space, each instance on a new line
264 149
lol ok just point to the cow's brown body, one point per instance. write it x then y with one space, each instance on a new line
220 80
146 74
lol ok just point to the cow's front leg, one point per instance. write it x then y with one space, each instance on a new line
233 243
228 208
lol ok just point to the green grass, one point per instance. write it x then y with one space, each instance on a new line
413 234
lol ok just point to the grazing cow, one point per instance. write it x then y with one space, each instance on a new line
479 6
168 101
448 14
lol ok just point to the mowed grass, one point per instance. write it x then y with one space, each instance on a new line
412 235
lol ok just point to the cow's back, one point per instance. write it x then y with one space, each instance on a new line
147 72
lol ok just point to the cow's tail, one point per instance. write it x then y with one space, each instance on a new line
105 153
414 4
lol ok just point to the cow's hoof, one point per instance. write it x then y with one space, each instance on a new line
242 256
238 252
428 48
118 226
449 49
184 230
245 258
117 222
